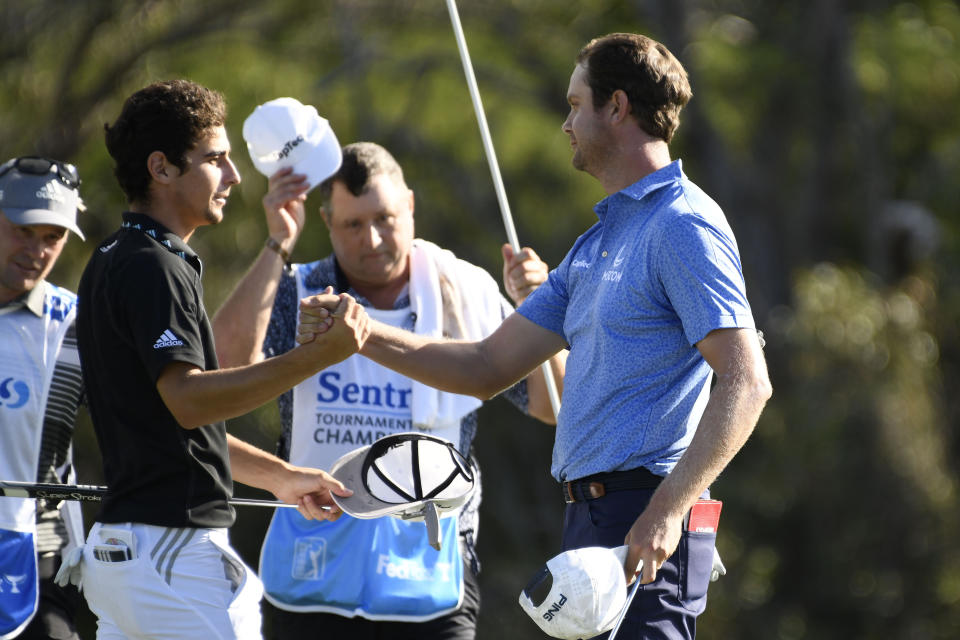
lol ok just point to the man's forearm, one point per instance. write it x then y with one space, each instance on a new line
240 325
252 466
454 366
197 397
728 420
481 369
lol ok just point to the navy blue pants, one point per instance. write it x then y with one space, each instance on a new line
667 608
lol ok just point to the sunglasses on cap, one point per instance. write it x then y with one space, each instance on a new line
37 166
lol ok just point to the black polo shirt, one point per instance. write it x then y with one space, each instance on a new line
141 308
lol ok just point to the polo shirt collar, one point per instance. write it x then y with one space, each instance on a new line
32 300
173 243
643 187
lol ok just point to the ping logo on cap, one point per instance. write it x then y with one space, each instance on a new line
554 608
578 593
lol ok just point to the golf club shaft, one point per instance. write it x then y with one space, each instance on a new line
494 169
626 606
93 493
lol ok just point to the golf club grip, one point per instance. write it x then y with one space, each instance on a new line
51 491
94 493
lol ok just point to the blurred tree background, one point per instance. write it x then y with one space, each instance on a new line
828 130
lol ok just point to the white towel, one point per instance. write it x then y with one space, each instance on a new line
474 309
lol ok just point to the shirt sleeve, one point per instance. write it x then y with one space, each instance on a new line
162 306
547 305
699 269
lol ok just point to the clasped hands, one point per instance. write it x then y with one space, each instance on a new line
332 313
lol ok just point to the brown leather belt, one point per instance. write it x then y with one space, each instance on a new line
600 484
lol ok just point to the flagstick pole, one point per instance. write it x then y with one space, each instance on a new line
495 171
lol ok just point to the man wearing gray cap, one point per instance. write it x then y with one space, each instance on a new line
40 388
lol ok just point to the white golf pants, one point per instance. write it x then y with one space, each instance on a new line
146 582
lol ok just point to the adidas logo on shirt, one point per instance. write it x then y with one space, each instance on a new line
168 339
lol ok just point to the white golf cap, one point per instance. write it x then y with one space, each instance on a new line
285 133
578 593
412 476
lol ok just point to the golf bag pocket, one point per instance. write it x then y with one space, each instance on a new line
696 565
382 569
19 588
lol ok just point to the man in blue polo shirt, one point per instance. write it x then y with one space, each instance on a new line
651 301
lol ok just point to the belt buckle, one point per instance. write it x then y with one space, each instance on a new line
596 490
568 493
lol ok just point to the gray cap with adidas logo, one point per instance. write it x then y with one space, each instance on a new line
40 191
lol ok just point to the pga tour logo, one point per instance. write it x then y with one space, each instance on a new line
554 609
309 558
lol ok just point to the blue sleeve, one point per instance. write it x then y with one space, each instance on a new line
547 305
699 268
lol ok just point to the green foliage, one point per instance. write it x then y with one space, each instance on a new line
809 122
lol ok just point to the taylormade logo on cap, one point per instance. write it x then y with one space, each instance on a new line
285 133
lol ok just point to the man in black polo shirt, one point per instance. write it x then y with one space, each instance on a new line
158 562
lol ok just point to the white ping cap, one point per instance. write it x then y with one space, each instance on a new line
285 133
578 593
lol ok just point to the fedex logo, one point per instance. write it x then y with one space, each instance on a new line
411 570
554 609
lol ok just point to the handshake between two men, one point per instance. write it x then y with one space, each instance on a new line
339 317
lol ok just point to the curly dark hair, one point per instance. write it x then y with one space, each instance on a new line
655 82
171 117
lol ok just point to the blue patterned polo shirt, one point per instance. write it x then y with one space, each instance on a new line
657 273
